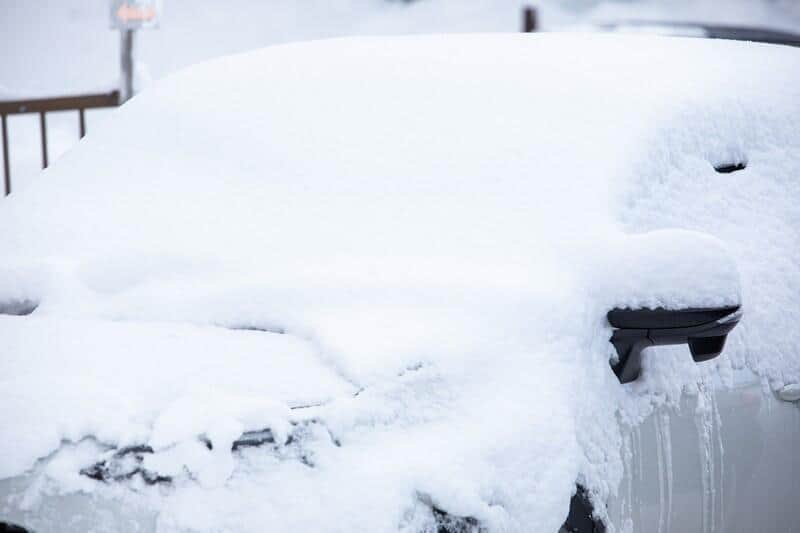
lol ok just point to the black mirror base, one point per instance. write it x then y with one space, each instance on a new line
704 330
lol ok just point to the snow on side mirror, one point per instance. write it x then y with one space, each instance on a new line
704 330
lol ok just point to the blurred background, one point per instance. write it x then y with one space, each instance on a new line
68 47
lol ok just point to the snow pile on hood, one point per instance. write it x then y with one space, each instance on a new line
413 243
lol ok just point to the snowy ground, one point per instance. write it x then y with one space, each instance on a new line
50 47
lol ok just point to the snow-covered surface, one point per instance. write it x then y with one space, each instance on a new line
54 47
399 253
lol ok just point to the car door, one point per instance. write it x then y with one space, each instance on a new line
725 461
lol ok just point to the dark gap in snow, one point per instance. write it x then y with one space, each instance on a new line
123 465
292 448
264 329
410 368
250 439
8 527
581 517
307 406
730 167
139 448
447 523
253 439
127 463
336 442
450 523
18 307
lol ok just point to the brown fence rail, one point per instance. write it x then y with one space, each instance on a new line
43 106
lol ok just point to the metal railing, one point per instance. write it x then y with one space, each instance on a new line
42 106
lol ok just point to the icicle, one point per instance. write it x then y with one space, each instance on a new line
718 424
639 453
710 447
705 424
660 456
636 474
626 505
666 443
637 438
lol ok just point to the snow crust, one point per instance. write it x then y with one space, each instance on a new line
397 256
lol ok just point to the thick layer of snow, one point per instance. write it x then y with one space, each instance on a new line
429 232
127 382
55 47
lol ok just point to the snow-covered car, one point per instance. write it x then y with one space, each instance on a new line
442 283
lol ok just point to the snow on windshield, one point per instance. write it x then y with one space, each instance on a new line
392 259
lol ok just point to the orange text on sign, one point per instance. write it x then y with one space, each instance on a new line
127 13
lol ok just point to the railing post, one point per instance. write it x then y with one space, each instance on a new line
82 123
43 128
126 64
529 19
6 171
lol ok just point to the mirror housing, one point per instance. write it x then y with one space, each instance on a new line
703 329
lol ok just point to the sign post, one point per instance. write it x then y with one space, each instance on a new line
127 16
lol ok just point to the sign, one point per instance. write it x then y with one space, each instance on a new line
135 14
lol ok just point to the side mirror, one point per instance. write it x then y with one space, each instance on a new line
704 330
